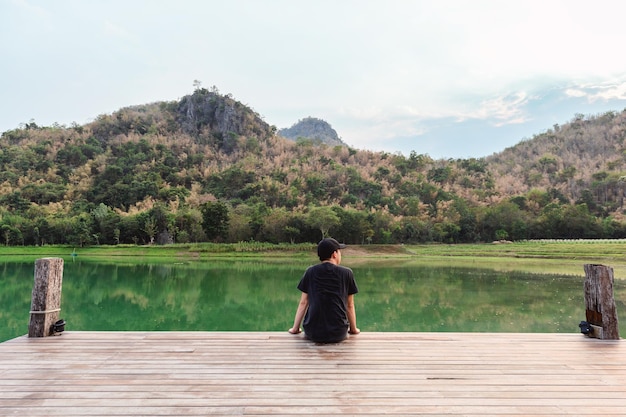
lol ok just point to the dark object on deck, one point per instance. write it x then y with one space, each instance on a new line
58 326
585 328
599 302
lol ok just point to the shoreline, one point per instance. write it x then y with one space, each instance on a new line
562 257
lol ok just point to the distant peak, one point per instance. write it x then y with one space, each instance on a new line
314 129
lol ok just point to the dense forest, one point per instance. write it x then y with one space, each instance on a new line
208 168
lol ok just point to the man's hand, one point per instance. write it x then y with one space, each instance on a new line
354 331
295 330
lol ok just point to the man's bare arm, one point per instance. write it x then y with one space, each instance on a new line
352 315
303 305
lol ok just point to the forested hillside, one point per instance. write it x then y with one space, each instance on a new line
208 168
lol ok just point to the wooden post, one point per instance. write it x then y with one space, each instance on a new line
46 300
599 300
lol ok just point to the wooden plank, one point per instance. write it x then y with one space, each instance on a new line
270 373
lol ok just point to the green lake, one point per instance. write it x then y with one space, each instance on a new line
254 295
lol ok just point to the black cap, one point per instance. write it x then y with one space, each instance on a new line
327 246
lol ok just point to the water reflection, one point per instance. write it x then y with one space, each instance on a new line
469 300
262 296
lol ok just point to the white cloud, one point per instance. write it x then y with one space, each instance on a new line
575 92
503 110
608 91
615 92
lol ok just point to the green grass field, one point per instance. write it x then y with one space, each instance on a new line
566 257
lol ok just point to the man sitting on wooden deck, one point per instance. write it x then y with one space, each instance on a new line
327 300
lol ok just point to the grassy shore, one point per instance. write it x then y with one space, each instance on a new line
560 257
566 257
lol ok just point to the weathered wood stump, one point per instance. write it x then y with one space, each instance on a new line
599 301
46 300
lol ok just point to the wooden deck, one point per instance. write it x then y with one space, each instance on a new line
278 374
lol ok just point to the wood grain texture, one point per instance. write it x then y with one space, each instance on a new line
46 297
599 300
278 374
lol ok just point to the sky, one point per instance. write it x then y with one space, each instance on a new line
447 78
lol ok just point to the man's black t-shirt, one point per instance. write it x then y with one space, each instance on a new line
327 286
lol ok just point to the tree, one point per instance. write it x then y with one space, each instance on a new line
10 234
81 230
578 223
549 222
353 225
239 223
322 218
188 223
275 225
106 222
130 227
215 220
502 218
150 228
163 219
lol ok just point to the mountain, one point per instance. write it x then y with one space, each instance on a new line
208 168
582 161
206 116
313 129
